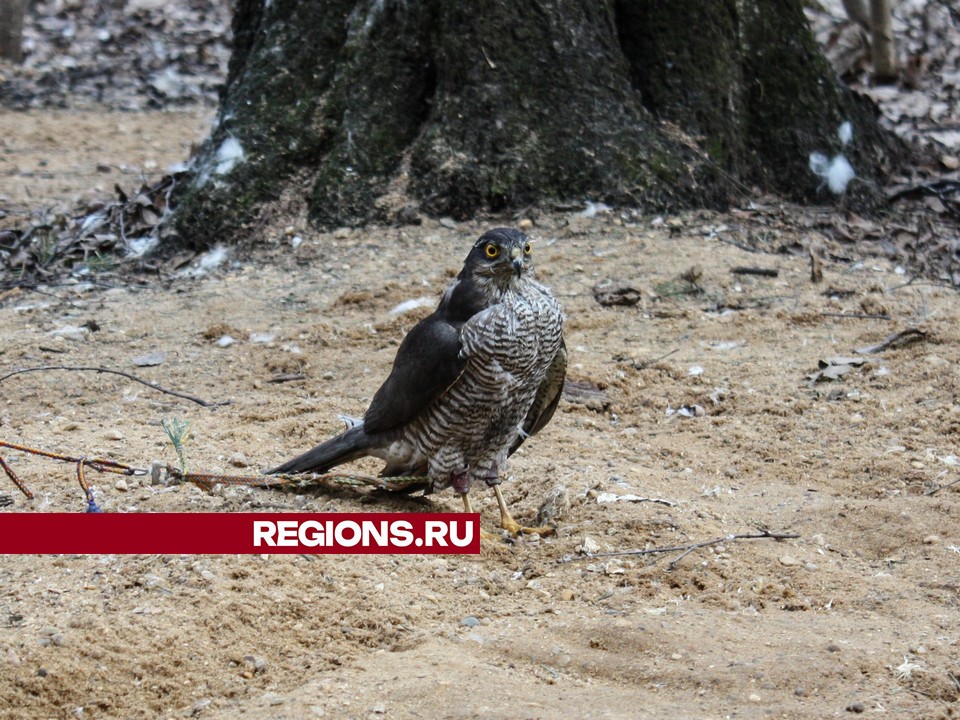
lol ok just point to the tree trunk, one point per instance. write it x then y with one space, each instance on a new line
374 110
11 29
857 11
884 50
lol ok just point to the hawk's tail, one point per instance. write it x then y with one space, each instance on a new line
350 445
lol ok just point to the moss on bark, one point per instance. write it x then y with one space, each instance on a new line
491 105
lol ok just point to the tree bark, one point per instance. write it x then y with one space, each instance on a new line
857 11
884 50
375 110
11 29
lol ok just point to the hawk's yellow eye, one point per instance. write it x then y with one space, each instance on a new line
527 249
491 250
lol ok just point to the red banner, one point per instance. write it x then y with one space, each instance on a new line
238 533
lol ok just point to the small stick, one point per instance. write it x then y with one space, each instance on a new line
941 487
685 550
765 272
736 244
856 316
647 363
154 386
287 377
913 333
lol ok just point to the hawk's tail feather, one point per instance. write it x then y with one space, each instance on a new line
349 445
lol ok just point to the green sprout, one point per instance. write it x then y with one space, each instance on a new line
178 431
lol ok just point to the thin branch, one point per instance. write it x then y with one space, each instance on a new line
915 282
737 244
903 337
647 363
149 384
685 550
857 316
941 487
750 270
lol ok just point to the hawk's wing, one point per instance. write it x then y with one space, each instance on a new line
547 398
427 363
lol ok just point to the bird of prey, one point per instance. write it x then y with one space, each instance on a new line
470 382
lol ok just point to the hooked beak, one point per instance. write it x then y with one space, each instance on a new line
517 261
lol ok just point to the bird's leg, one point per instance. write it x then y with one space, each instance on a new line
512 526
461 484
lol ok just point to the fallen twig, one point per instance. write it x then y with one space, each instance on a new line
685 550
941 487
765 272
912 334
606 497
857 316
644 364
287 377
121 373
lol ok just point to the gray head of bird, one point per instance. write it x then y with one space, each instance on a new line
501 257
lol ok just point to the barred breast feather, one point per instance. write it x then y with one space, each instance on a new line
509 349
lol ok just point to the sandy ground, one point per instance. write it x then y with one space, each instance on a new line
857 615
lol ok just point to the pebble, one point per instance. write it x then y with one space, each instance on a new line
789 561
121 485
567 594
70 332
379 709
238 459
931 540
113 435
856 707
754 698
207 575
800 692
470 621
225 341
70 426
589 546
525 224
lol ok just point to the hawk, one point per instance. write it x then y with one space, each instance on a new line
470 382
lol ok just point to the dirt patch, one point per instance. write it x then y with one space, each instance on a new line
860 612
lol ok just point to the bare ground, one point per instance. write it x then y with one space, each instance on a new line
859 614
